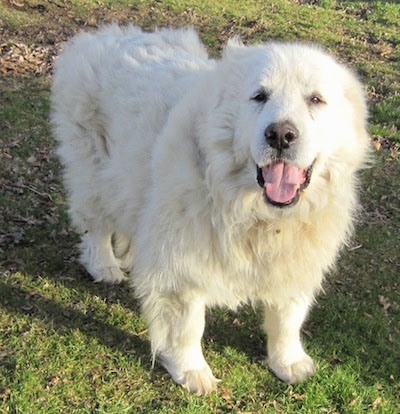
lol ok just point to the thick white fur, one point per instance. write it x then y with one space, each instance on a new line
160 146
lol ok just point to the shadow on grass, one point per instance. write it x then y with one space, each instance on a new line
337 332
65 318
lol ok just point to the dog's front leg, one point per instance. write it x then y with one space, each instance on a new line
286 356
176 325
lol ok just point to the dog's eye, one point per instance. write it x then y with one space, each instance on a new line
260 96
316 99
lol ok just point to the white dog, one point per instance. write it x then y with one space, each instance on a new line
210 182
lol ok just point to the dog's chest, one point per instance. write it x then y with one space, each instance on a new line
267 263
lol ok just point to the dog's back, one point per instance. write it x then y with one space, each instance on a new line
122 68
111 93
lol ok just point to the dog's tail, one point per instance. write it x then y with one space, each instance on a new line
77 118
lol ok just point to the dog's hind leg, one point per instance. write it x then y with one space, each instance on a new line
98 257
176 325
123 251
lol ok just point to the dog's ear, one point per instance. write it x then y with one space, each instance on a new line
234 42
355 94
234 48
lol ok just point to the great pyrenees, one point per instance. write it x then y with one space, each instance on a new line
209 182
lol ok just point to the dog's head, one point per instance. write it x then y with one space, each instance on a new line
295 114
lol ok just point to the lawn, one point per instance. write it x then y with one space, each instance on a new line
68 345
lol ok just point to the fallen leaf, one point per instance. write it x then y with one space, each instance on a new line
376 403
354 402
384 303
5 392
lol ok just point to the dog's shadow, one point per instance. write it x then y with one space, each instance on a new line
238 330
56 261
225 330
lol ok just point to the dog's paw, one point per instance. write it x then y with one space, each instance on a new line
197 379
200 382
293 373
125 262
112 275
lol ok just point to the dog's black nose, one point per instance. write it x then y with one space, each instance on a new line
280 135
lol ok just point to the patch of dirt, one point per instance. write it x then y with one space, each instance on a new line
21 58
30 49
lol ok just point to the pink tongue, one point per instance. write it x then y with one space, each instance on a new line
282 181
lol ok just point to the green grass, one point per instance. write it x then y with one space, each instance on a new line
68 345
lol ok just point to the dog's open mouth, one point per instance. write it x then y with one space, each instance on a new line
283 182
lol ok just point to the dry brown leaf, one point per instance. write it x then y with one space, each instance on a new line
354 402
384 303
376 403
